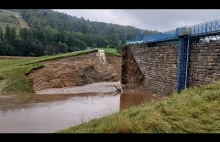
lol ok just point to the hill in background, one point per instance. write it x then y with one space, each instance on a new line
13 19
53 32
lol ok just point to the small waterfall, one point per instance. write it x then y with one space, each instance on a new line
101 55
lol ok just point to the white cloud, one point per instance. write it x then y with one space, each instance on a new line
109 16
161 20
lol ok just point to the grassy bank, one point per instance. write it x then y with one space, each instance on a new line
13 70
193 111
112 51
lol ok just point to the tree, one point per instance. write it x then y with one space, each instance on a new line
88 40
30 36
94 45
38 48
9 50
20 47
62 47
80 44
118 49
50 50
7 33
70 40
2 48
1 33
23 33
13 36
28 48
54 32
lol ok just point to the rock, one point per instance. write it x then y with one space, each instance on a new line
56 83
209 67
68 82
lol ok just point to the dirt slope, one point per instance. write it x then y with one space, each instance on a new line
76 71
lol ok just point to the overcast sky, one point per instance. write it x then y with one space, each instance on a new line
161 20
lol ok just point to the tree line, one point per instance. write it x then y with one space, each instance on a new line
31 42
54 32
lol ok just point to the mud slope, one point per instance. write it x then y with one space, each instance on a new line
76 71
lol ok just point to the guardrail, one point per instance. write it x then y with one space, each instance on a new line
211 27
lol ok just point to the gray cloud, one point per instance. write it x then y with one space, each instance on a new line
161 20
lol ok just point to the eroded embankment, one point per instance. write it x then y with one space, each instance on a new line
76 71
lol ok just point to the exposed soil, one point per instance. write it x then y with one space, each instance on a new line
76 71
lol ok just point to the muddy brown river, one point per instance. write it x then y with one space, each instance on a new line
48 117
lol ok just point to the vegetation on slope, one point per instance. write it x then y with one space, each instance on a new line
192 111
12 71
112 51
12 19
9 18
54 33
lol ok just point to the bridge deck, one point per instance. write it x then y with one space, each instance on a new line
203 29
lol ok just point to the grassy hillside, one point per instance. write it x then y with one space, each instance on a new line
7 19
192 111
13 70
110 51
53 32
16 20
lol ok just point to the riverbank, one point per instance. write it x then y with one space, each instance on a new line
192 111
14 70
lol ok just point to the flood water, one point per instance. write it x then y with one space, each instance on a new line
94 87
49 117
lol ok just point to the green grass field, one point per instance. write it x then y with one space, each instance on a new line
192 111
110 51
12 71
6 19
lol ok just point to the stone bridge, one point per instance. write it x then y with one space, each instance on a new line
174 60
156 68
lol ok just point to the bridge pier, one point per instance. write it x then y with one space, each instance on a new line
183 62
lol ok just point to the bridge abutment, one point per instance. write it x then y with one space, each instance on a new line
156 68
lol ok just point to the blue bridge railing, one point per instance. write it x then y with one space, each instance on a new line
211 27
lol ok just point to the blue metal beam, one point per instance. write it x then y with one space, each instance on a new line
180 78
207 28
183 68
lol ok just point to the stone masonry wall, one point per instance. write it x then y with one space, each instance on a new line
204 64
159 66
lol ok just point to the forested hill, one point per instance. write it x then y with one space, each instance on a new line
53 32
